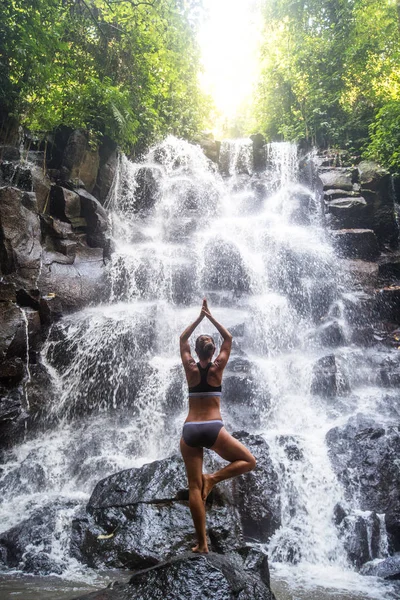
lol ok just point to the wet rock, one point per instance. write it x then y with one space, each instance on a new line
389 372
36 532
41 186
259 156
363 455
16 175
10 410
76 285
225 269
389 568
115 531
389 268
96 219
337 178
41 564
334 194
363 273
54 228
7 292
12 370
9 153
148 181
326 381
376 186
13 331
20 236
244 395
79 160
234 159
50 309
28 298
191 577
371 174
256 495
349 213
361 536
108 167
356 243
209 146
65 205
388 303
183 282
330 334
302 206
122 507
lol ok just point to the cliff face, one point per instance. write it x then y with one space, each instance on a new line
54 247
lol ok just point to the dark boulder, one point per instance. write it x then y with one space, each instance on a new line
245 393
259 155
74 285
35 532
12 371
327 382
389 371
330 334
364 457
389 568
356 243
41 564
108 153
225 268
349 213
96 219
336 178
361 537
148 181
209 146
17 175
376 187
41 185
139 517
190 576
80 161
9 153
20 237
12 331
362 272
65 205
388 303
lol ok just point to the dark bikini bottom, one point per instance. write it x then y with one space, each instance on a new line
201 434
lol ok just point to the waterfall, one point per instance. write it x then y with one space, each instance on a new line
253 243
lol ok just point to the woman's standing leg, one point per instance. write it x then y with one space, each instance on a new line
240 458
193 458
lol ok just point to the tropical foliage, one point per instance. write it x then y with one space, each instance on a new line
125 68
330 74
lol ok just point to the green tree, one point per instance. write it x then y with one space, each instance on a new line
328 69
118 67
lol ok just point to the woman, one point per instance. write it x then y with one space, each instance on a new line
203 426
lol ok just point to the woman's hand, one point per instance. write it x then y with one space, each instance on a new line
205 311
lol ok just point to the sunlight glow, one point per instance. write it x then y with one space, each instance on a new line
229 40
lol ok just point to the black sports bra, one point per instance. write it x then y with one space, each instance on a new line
203 388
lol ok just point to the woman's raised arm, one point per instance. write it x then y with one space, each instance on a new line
226 346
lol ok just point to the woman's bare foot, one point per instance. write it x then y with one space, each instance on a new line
208 484
200 549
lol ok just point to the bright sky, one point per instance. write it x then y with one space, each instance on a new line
228 40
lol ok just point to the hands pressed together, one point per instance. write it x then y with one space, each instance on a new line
205 311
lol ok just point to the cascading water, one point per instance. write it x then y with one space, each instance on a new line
253 244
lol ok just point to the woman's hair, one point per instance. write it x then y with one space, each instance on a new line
205 346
